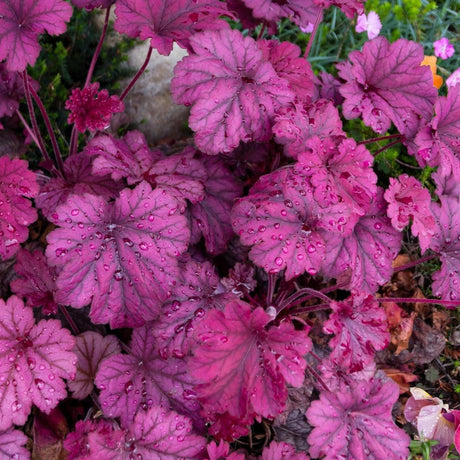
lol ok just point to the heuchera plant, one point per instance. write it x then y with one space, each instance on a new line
193 282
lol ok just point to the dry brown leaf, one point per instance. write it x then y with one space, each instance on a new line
403 379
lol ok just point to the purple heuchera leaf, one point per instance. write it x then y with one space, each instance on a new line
210 218
12 445
91 109
286 60
91 348
155 434
360 327
91 4
439 139
79 180
221 451
11 90
299 11
339 172
386 83
168 21
128 158
16 212
22 21
296 124
245 90
363 259
355 423
103 250
349 7
181 175
36 280
132 383
34 360
407 199
197 290
282 451
100 432
242 363
446 242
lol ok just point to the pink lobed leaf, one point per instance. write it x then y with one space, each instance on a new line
282 222
242 364
299 11
34 360
210 218
91 4
355 423
296 124
360 327
245 89
36 280
91 349
168 21
282 451
79 179
386 83
132 383
363 259
12 445
446 243
198 289
103 249
21 21
407 199
16 212
288 64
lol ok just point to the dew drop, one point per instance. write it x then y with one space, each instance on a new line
279 261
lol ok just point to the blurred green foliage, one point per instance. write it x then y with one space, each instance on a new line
63 65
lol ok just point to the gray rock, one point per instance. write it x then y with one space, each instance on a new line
149 103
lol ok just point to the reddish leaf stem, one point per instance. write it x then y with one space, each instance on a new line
444 303
69 319
98 48
271 288
311 308
33 119
315 374
300 295
383 138
138 74
415 263
313 33
49 128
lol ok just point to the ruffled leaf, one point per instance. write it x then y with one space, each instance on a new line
132 383
282 451
34 360
12 445
295 125
360 327
446 242
355 423
103 250
16 212
79 179
168 21
242 364
91 348
363 259
36 280
22 21
245 89
386 83
210 218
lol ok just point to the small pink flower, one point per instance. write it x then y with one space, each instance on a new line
90 109
443 48
370 24
454 79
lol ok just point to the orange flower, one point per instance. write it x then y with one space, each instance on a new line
431 61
